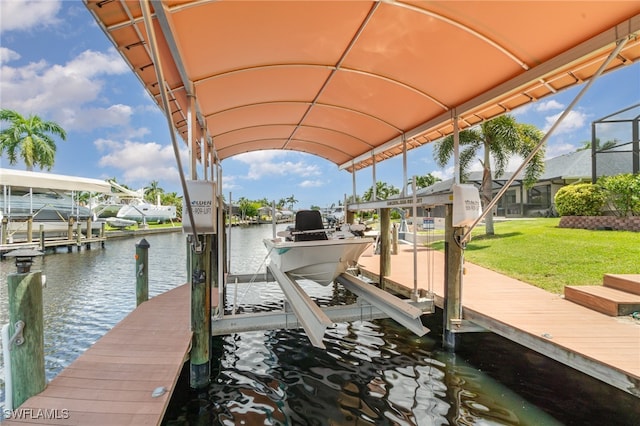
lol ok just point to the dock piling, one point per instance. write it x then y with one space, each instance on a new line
452 282
142 271
385 245
5 230
30 229
26 326
199 274
41 236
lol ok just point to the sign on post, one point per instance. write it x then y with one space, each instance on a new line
202 196
466 204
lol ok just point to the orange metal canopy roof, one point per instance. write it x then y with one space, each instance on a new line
350 80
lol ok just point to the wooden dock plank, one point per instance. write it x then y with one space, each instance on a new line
596 344
118 385
113 381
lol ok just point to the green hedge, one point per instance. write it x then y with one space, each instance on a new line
621 193
583 199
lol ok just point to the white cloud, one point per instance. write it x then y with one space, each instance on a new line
548 106
61 92
558 148
92 118
139 163
575 120
444 174
272 163
8 55
229 183
311 184
521 110
27 15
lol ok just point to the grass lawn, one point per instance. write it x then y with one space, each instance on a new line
538 252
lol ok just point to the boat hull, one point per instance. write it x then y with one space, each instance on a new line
320 261
148 212
116 222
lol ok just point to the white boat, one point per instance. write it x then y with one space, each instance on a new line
311 252
140 211
116 222
335 215
130 205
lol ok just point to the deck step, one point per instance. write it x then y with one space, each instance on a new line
606 300
625 282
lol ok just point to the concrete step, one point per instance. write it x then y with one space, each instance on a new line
606 300
625 282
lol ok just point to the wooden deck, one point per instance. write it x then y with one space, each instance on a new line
113 381
53 243
604 347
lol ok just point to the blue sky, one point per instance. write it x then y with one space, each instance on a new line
57 63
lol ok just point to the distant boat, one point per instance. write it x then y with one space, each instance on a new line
311 252
335 216
142 211
116 222
130 205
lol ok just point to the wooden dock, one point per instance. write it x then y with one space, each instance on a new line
601 346
113 381
52 244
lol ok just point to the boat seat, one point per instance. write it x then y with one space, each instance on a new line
309 220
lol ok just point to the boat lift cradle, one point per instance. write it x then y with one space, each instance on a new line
372 303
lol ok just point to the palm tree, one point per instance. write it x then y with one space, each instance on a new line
291 200
153 190
500 139
599 147
30 139
426 180
383 191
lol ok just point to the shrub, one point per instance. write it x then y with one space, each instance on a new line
623 193
583 199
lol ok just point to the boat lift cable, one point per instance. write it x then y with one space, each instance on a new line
146 12
251 281
620 44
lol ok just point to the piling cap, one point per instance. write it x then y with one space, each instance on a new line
143 244
24 258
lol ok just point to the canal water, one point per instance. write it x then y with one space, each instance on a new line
372 373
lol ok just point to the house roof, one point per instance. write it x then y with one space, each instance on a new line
572 166
352 81
577 165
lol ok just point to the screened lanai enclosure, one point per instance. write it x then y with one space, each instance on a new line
615 142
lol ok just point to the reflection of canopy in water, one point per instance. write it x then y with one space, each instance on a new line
351 81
